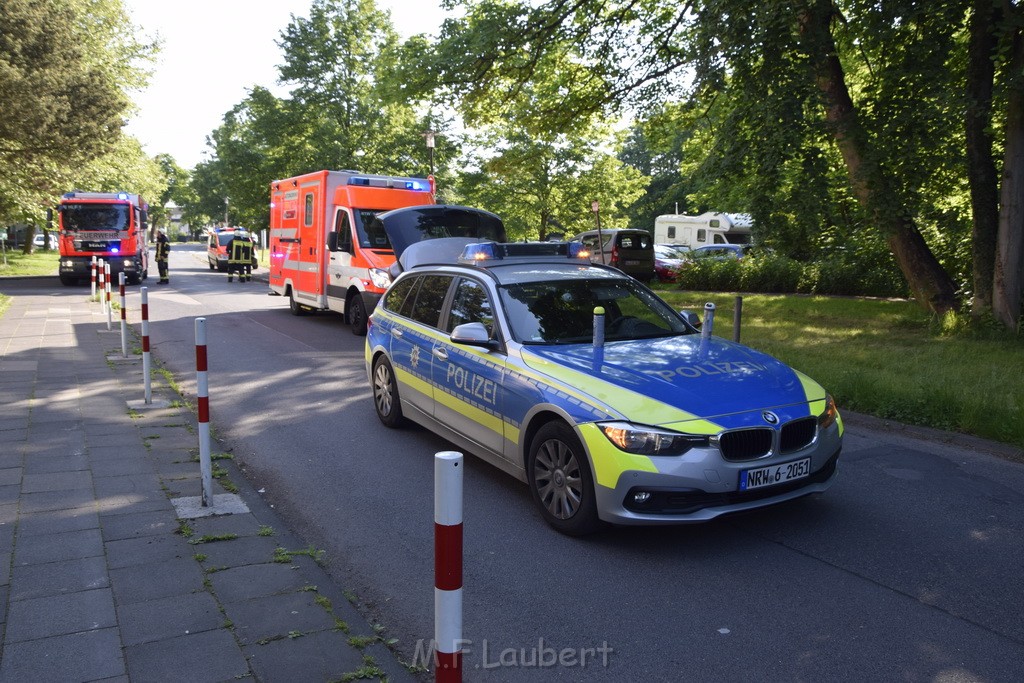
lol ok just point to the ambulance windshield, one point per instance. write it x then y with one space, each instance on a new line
371 232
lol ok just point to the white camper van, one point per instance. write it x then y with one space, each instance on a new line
707 228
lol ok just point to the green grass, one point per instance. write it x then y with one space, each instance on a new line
38 263
885 358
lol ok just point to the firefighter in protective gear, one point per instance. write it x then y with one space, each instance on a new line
163 251
240 256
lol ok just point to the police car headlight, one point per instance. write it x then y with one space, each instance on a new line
643 440
828 418
380 278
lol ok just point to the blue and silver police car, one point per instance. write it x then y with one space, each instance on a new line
580 381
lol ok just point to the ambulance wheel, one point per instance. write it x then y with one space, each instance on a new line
68 281
560 480
385 394
294 306
357 315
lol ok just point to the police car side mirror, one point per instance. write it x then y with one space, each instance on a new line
473 334
692 318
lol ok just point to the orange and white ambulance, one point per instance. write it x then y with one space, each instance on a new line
325 252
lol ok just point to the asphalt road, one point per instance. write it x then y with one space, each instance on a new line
910 568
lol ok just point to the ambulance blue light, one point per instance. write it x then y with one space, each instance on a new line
122 195
413 185
358 181
114 250
487 251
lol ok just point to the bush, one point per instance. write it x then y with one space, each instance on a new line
776 274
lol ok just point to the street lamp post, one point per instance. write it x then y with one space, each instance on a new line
226 223
429 135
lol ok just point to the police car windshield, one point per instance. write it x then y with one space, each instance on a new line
95 216
562 311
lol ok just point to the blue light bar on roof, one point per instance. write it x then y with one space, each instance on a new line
484 251
122 195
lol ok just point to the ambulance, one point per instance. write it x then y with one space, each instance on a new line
326 252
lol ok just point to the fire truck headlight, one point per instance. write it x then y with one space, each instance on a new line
380 278
128 264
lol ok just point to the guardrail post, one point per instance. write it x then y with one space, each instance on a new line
124 315
448 566
203 400
146 380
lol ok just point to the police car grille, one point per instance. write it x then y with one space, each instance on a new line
797 434
745 444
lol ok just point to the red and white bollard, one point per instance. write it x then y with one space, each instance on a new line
203 401
110 309
93 277
448 567
146 382
124 315
103 303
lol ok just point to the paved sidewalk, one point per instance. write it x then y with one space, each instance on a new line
99 578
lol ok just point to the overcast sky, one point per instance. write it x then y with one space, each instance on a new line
213 50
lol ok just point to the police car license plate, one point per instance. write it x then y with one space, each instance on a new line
632 262
775 474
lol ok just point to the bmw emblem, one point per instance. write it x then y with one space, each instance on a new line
770 417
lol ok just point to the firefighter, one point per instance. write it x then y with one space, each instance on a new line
240 256
163 250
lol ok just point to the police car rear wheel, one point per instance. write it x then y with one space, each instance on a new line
561 482
385 394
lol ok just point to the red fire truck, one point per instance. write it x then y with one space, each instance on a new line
107 225
324 251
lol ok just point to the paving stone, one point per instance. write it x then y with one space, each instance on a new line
116 527
88 656
69 545
131 463
10 476
55 500
132 551
61 615
57 578
57 481
276 615
239 552
40 464
255 580
10 494
154 580
178 615
57 521
206 657
320 656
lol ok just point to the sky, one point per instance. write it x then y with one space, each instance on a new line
213 51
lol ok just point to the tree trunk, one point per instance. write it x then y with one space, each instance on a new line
1008 279
931 285
981 165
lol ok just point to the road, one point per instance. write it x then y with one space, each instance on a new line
910 568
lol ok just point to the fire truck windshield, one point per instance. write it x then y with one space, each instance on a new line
95 216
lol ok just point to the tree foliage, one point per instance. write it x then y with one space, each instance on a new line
66 67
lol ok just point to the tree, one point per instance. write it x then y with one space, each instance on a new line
342 112
65 70
776 62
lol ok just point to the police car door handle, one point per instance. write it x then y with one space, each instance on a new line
440 353
397 331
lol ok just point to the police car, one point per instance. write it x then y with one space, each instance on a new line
580 381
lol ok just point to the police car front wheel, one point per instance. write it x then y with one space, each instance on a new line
561 482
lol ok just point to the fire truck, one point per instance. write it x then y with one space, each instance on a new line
107 225
326 253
